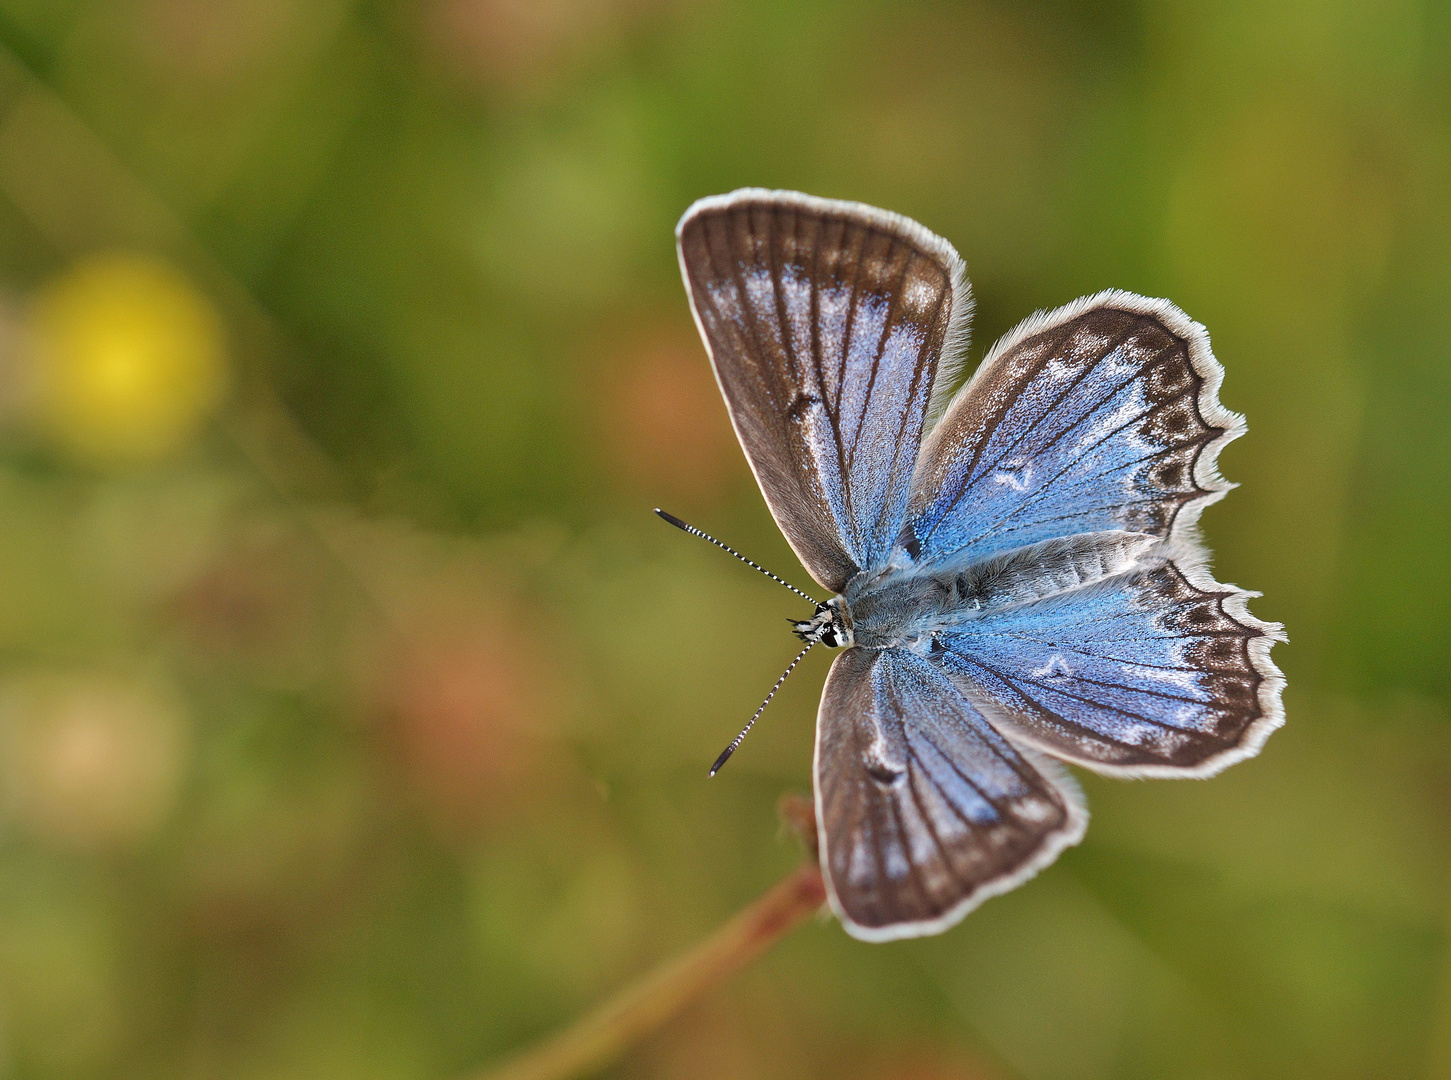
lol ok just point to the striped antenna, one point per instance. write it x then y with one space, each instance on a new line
731 749
693 531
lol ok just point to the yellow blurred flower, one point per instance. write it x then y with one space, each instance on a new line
128 358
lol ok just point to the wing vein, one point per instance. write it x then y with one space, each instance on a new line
919 371
912 780
783 322
951 764
887 323
1067 390
1020 682
990 424
1059 646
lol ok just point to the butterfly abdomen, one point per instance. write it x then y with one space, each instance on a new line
904 607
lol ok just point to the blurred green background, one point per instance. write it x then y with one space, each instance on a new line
355 710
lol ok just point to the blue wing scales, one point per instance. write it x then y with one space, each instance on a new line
1157 672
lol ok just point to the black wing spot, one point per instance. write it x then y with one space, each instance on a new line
883 773
800 405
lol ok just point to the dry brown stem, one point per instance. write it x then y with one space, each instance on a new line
598 1037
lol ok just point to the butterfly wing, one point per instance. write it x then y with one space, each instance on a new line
923 809
1157 672
825 322
1101 415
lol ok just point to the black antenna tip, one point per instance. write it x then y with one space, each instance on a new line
673 520
725 755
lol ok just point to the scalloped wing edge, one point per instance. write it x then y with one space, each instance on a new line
1183 546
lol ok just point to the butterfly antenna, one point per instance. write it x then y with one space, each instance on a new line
693 531
725 754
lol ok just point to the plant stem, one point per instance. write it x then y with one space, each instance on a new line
598 1037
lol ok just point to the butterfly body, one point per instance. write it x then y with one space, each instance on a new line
1017 570
903 606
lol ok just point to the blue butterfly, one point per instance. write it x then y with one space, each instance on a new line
1017 569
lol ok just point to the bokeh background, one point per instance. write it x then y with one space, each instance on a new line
355 710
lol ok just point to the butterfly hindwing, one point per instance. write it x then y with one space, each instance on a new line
1161 671
923 809
825 322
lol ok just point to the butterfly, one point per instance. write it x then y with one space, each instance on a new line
1017 572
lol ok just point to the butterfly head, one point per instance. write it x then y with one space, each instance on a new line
831 625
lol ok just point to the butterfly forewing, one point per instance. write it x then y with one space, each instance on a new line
923 809
825 322
1101 415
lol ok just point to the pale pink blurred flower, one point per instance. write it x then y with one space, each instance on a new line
454 663
215 41
466 707
521 44
664 420
91 760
